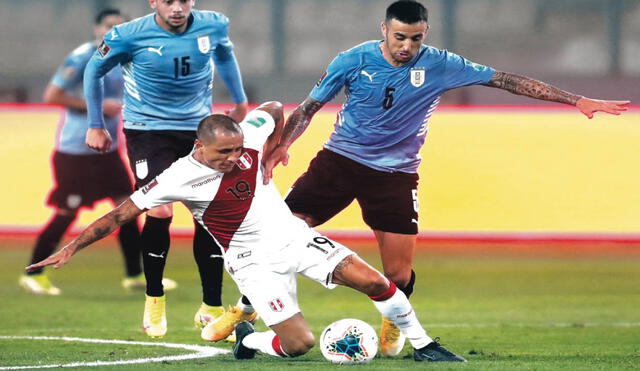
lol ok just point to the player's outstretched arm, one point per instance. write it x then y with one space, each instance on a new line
99 229
532 88
294 127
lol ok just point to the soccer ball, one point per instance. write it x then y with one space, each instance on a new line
349 341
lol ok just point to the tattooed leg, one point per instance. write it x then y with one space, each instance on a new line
356 273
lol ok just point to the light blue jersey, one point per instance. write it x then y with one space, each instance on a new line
68 77
168 77
384 121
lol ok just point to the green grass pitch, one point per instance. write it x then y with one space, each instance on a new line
499 307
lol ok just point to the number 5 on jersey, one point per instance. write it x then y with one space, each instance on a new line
388 98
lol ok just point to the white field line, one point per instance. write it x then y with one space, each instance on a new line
425 324
198 352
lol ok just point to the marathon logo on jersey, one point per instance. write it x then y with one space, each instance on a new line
149 186
245 161
206 181
321 78
418 76
204 44
276 305
103 49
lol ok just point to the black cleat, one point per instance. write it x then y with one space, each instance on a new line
243 329
434 352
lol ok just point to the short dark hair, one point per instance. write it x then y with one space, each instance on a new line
207 127
105 13
407 11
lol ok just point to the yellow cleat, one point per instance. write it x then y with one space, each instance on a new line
391 338
221 327
154 321
38 284
206 314
139 283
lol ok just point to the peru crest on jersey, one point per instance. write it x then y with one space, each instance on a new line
245 161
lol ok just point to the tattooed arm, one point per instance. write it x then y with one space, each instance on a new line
99 229
296 124
529 87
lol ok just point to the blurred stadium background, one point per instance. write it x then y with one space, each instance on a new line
489 167
591 46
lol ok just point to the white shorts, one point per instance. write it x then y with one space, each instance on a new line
270 283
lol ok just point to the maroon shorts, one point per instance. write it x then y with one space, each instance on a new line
388 201
81 180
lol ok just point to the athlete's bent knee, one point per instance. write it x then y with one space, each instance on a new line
299 346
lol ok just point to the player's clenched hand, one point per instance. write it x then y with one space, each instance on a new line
590 106
238 112
98 139
57 260
111 107
278 155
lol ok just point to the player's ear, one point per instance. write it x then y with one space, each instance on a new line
383 29
198 144
152 4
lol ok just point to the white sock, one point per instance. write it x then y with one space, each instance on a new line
396 307
244 307
266 342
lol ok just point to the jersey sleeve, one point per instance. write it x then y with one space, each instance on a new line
257 127
460 71
69 74
162 190
225 61
113 50
332 80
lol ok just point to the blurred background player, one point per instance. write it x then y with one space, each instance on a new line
167 58
83 177
393 86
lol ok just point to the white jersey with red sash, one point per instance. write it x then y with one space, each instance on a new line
235 207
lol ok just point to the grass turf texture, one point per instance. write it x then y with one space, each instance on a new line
501 307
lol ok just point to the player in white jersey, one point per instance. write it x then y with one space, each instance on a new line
265 246
392 86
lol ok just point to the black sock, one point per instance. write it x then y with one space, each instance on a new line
245 300
408 289
129 238
50 237
154 242
210 264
